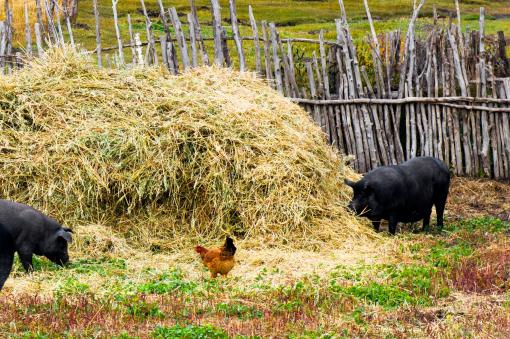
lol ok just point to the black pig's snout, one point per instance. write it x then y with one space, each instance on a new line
351 207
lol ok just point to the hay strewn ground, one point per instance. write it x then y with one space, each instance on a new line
473 198
159 157
141 162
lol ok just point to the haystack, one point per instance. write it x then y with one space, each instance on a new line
161 157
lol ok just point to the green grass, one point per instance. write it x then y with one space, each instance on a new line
294 18
485 224
189 332
171 282
391 286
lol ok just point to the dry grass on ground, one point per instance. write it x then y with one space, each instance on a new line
473 198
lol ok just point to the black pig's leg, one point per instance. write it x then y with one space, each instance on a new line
440 213
6 261
440 204
377 225
393 224
26 261
426 221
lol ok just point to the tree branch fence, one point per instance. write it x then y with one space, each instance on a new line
445 93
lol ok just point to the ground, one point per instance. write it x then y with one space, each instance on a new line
453 284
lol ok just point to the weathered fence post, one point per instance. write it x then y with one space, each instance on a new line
181 40
98 35
256 43
218 49
117 31
237 36
28 33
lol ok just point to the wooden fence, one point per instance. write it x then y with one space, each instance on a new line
443 92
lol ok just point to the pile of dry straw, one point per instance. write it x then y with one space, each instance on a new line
159 157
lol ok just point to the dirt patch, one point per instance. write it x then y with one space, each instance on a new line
470 198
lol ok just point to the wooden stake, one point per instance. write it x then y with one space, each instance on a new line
218 49
267 52
98 34
193 40
276 59
152 56
28 33
253 23
198 32
117 31
38 39
237 36
181 40
131 39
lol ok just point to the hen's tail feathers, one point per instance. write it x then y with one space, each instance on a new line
200 249
229 245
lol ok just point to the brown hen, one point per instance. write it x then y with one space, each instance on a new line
218 260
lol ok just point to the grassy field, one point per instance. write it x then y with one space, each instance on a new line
453 284
294 18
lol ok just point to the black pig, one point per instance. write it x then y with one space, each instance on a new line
402 193
27 231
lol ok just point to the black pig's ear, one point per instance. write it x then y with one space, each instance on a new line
67 229
349 183
65 235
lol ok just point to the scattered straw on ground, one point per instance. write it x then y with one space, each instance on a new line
168 160
469 198
277 265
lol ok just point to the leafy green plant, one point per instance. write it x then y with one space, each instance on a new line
486 224
71 286
387 296
420 280
142 309
102 266
189 332
38 263
446 255
36 335
125 335
169 283
401 284
238 310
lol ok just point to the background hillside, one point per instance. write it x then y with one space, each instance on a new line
294 18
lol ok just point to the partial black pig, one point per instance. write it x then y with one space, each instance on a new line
402 193
6 255
27 231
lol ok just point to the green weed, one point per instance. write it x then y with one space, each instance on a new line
38 264
446 255
71 286
387 296
169 283
238 310
486 224
141 308
103 266
391 285
189 332
36 335
125 335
